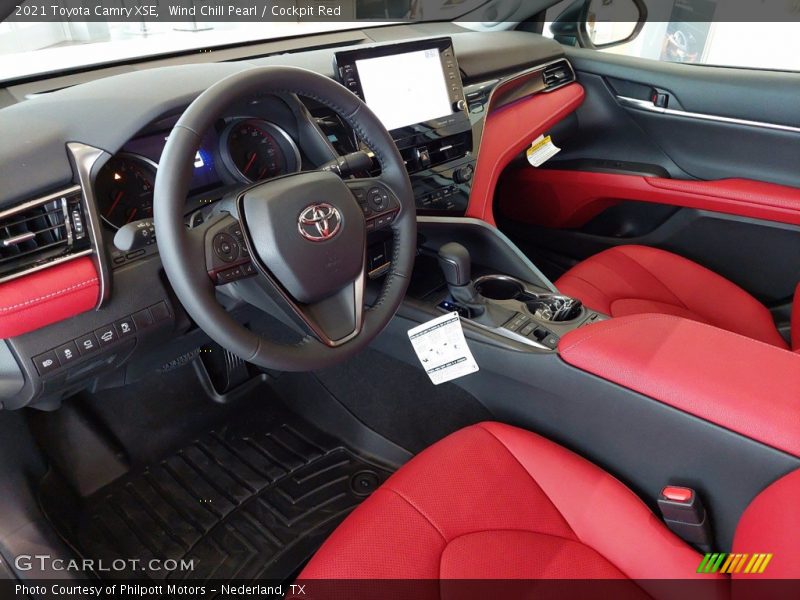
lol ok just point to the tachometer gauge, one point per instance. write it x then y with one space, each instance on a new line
254 149
124 189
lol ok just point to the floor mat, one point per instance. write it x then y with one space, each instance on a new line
249 500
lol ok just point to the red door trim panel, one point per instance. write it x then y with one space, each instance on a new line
48 296
559 198
736 382
507 132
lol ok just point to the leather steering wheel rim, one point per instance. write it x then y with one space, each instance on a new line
189 277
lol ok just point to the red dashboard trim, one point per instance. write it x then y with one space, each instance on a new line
568 199
507 132
733 381
48 296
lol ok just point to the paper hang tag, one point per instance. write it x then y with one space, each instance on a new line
542 150
442 349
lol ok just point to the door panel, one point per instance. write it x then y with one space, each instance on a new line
723 193
568 199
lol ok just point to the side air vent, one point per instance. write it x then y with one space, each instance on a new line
41 232
558 74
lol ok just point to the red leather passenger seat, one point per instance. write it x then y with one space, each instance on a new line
631 280
496 502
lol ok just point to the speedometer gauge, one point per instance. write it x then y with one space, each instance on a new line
254 149
124 189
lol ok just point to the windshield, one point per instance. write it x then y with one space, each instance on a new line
41 39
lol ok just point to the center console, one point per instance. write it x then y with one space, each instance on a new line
416 91
467 266
506 305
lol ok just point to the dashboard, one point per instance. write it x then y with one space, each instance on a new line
88 157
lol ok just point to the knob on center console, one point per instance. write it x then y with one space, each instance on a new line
463 174
456 265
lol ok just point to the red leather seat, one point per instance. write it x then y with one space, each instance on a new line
630 280
496 502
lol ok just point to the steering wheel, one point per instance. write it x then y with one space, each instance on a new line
300 238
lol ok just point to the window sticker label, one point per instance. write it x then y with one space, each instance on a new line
442 349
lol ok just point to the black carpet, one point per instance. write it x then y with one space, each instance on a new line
399 401
247 492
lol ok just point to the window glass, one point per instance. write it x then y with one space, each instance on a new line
702 37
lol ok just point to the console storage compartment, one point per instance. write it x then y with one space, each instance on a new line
732 381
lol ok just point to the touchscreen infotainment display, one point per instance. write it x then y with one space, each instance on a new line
405 89
413 87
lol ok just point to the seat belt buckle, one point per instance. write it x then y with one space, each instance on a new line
683 512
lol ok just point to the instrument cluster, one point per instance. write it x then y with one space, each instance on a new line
239 150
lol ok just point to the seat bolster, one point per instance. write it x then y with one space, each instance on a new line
771 525
604 514
385 538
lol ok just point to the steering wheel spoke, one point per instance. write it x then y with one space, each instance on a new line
337 319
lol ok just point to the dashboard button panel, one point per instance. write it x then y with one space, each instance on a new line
87 344
108 335
46 362
67 353
142 319
160 312
125 327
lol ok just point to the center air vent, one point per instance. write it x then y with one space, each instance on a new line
558 74
43 231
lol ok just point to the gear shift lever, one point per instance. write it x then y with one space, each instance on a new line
456 265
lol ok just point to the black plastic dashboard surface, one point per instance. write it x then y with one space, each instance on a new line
105 113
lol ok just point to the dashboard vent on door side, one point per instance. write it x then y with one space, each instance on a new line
42 232
558 74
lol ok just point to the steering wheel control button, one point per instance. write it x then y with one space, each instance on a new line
229 275
46 363
106 335
67 353
160 312
378 199
236 231
384 220
87 344
226 247
125 327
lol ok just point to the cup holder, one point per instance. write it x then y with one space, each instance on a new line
496 287
555 308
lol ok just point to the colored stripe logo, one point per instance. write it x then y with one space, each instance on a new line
753 564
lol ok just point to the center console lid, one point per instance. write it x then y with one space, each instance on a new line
741 384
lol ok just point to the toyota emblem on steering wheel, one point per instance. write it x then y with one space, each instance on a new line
319 222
